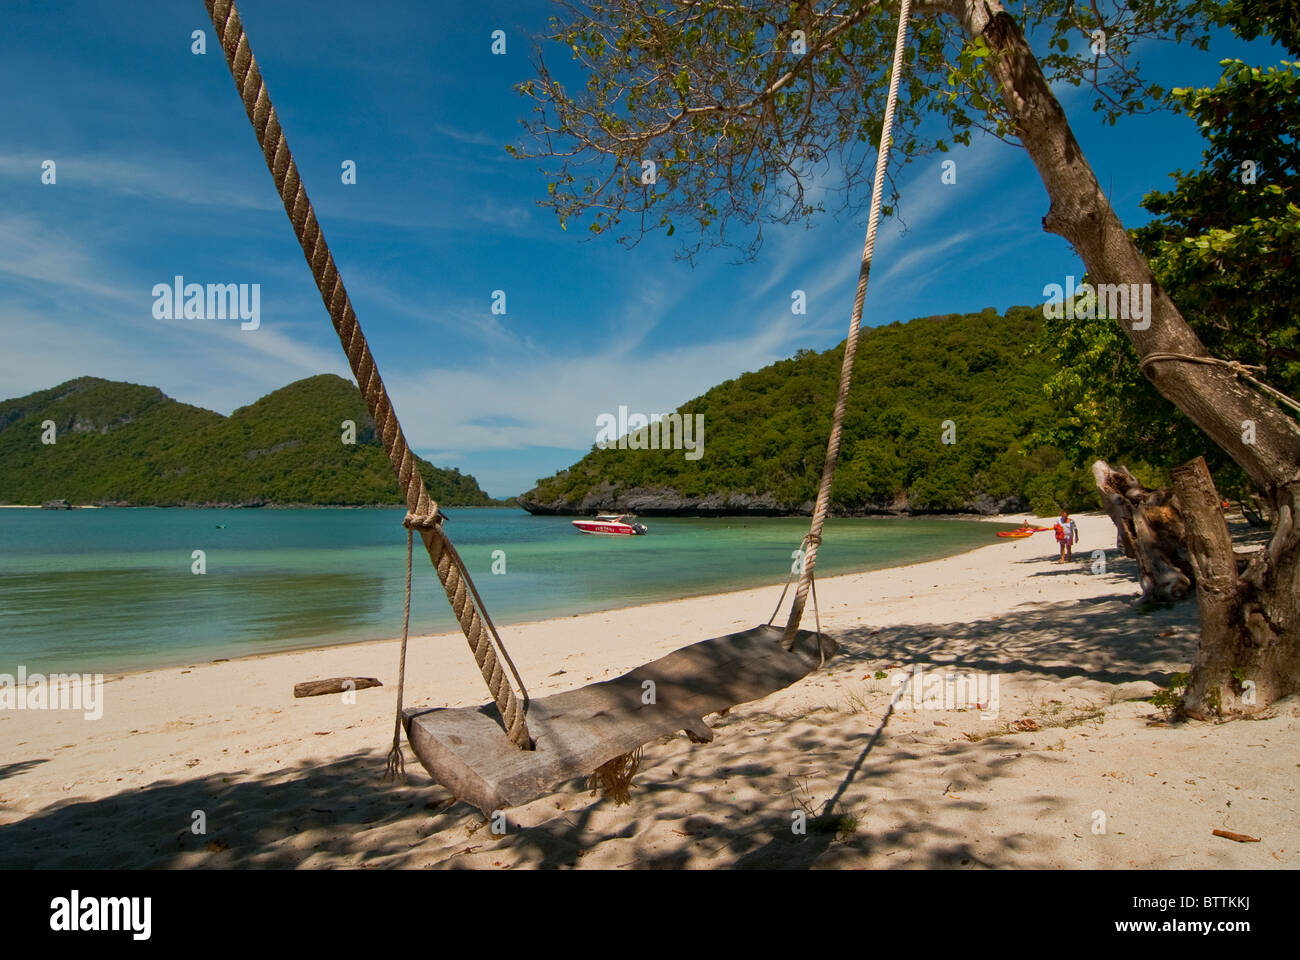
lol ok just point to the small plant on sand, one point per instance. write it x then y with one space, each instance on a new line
881 675
858 703
805 802
1170 699
843 825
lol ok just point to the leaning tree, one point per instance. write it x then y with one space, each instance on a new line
1225 243
716 117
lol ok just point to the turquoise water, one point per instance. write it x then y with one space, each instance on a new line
108 590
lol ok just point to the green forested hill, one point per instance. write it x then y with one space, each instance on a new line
765 433
124 443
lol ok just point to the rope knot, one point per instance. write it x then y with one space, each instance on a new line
1244 369
427 521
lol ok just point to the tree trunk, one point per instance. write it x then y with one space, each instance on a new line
1243 661
1266 637
1151 526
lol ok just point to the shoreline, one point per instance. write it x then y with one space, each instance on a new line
882 515
774 585
248 506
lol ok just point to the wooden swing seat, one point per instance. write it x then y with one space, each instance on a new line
579 730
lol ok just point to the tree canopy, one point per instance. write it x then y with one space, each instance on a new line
716 118
1225 243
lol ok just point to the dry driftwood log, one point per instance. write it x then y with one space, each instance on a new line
1151 531
317 688
1239 837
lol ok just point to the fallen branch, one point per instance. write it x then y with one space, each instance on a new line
317 688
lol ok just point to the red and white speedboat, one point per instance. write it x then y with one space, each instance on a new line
614 524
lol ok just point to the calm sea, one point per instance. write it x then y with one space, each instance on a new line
109 590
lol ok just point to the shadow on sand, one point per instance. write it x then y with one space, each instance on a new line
343 815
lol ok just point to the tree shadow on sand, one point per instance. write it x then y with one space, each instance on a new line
858 819
342 814
1110 639
862 817
22 766
337 810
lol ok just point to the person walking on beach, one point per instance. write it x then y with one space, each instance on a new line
1067 535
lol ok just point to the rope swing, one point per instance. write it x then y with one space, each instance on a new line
814 538
424 515
602 725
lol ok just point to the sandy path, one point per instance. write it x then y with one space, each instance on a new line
290 783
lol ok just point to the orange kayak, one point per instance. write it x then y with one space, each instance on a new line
1024 530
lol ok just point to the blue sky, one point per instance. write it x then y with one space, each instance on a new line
159 174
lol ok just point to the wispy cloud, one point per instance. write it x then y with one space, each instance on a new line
799 256
33 252
553 401
162 178
474 137
923 258
211 184
67 314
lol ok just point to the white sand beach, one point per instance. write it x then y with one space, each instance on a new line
1100 782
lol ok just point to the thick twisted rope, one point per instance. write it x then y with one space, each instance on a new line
814 538
1236 366
803 548
424 510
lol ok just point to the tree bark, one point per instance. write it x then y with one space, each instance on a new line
1217 591
1244 661
1151 526
1210 395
